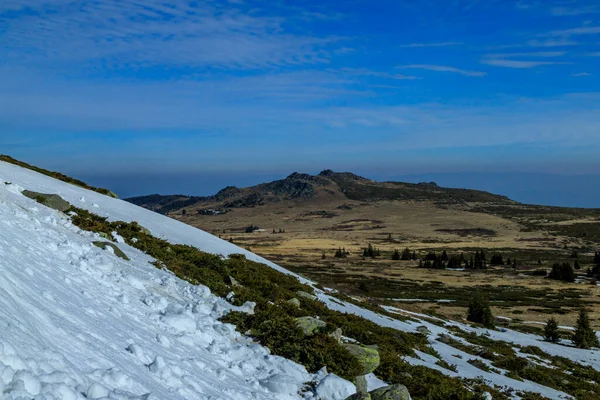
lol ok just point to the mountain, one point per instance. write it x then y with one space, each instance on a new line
328 186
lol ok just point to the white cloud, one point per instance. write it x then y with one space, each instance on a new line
443 68
586 30
507 60
127 34
379 74
441 44
582 74
572 11
561 42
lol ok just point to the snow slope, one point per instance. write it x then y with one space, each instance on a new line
78 322
133 329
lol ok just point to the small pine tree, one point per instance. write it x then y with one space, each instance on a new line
396 255
479 310
574 254
444 256
406 255
323 256
496 259
576 265
340 253
371 251
597 258
584 336
551 331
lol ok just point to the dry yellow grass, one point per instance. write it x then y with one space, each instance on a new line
314 228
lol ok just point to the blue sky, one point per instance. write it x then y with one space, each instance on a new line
119 87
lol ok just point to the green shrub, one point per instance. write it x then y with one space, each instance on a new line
56 175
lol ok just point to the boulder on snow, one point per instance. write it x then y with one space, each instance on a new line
444 338
423 330
393 392
53 201
310 325
118 252
367 356
305 295
104 235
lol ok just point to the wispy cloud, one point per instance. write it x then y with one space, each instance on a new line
582 74
572 11
584 30
441 44
508 60
125 34
368 72
443 68
551 43
594 54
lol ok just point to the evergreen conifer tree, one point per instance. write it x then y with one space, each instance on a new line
584 336
551 331
479 310
396 255
444 256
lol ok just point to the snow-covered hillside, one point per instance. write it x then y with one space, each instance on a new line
78 322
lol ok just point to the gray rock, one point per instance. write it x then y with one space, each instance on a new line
310 325
118 252
423 330
233 282
295 302
305 295
361 384
447 339
337 335
104 235
359 396
394 392
53 201
367 356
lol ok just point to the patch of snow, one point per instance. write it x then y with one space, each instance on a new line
374 382
335 388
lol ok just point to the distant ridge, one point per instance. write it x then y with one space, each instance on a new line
326 186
